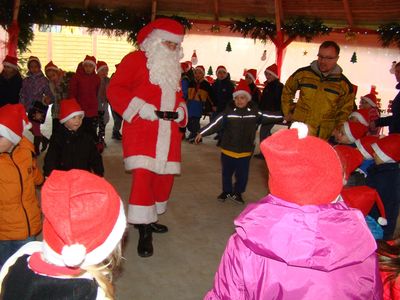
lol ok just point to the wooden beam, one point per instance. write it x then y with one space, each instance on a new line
153 9
347 11
16 9
216 10
278 15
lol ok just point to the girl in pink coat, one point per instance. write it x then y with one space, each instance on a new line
301 241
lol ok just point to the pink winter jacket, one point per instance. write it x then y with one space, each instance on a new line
285 251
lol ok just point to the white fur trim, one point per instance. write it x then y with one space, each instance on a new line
148 112
221 69
10 65
96 255
70 116
251 76
139 214
302 129
88 61
372 103
181 114
101 68
382 221
272 73
382 155
167 36
347 131
362 150
133 108
359 117
183 107
241 92
161 207
9 134
152 164
73 255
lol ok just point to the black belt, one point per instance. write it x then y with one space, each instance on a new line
167 115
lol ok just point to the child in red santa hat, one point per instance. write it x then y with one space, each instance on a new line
370 103
349 132
384 176
296 243
20 213
84 222
251 78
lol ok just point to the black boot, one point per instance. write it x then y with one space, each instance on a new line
145 245
45 143
36 143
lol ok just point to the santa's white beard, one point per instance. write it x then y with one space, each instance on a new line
163 63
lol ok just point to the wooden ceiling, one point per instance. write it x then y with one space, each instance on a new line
341 13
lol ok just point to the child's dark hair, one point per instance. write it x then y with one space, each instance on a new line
389 259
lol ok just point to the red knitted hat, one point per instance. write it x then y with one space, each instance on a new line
51 66
273 70
84 218
388 148
13 121
69 108
220 68
164 28
90 60
364 145
302 169
350 158
11 61
354 130
242 89
252 73
371 99
363 198
362 116
101 65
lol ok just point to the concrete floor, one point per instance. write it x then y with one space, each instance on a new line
185 259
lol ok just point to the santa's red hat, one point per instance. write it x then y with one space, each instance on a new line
51 66
221 68
364 145
302 169
371 99
201 68
252 73
13 121
84 219
273 70
34 58
363 198
388 148
90 60
362 116
186 66
163 28
242 88
11 61
101 65
69 108
354 130
350 158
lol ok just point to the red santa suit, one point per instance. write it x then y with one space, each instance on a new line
151 147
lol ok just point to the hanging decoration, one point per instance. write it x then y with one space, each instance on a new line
392 68
389 34
228 47
116 22
264 55
354 58
305 52
215 28
210 71
350 35
194 59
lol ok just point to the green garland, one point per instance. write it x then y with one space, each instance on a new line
113 22
265 30
389 34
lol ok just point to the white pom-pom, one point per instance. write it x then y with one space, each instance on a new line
73 255
302 129
382 221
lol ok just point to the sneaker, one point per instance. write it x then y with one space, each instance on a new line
223 196
237 197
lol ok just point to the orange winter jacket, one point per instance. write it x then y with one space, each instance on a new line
20 215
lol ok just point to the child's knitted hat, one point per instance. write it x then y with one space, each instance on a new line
388 148
362 116
242 89
364 145
90 60
84 218
302 169
69 108
363 198
354 130
350 158
101 65
13 121
11 61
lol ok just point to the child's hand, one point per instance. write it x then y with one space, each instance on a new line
198 138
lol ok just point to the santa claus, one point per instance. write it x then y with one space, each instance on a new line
145 92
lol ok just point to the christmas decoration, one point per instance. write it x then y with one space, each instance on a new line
194 59
264 55
350 36
389 34
393 67
228 47
354 58
210 71
215 28
305 52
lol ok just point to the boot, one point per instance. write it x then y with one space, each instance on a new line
45 143
145 245
36 143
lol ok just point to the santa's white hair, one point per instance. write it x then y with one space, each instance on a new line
163 63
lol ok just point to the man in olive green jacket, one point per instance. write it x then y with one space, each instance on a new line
326 95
